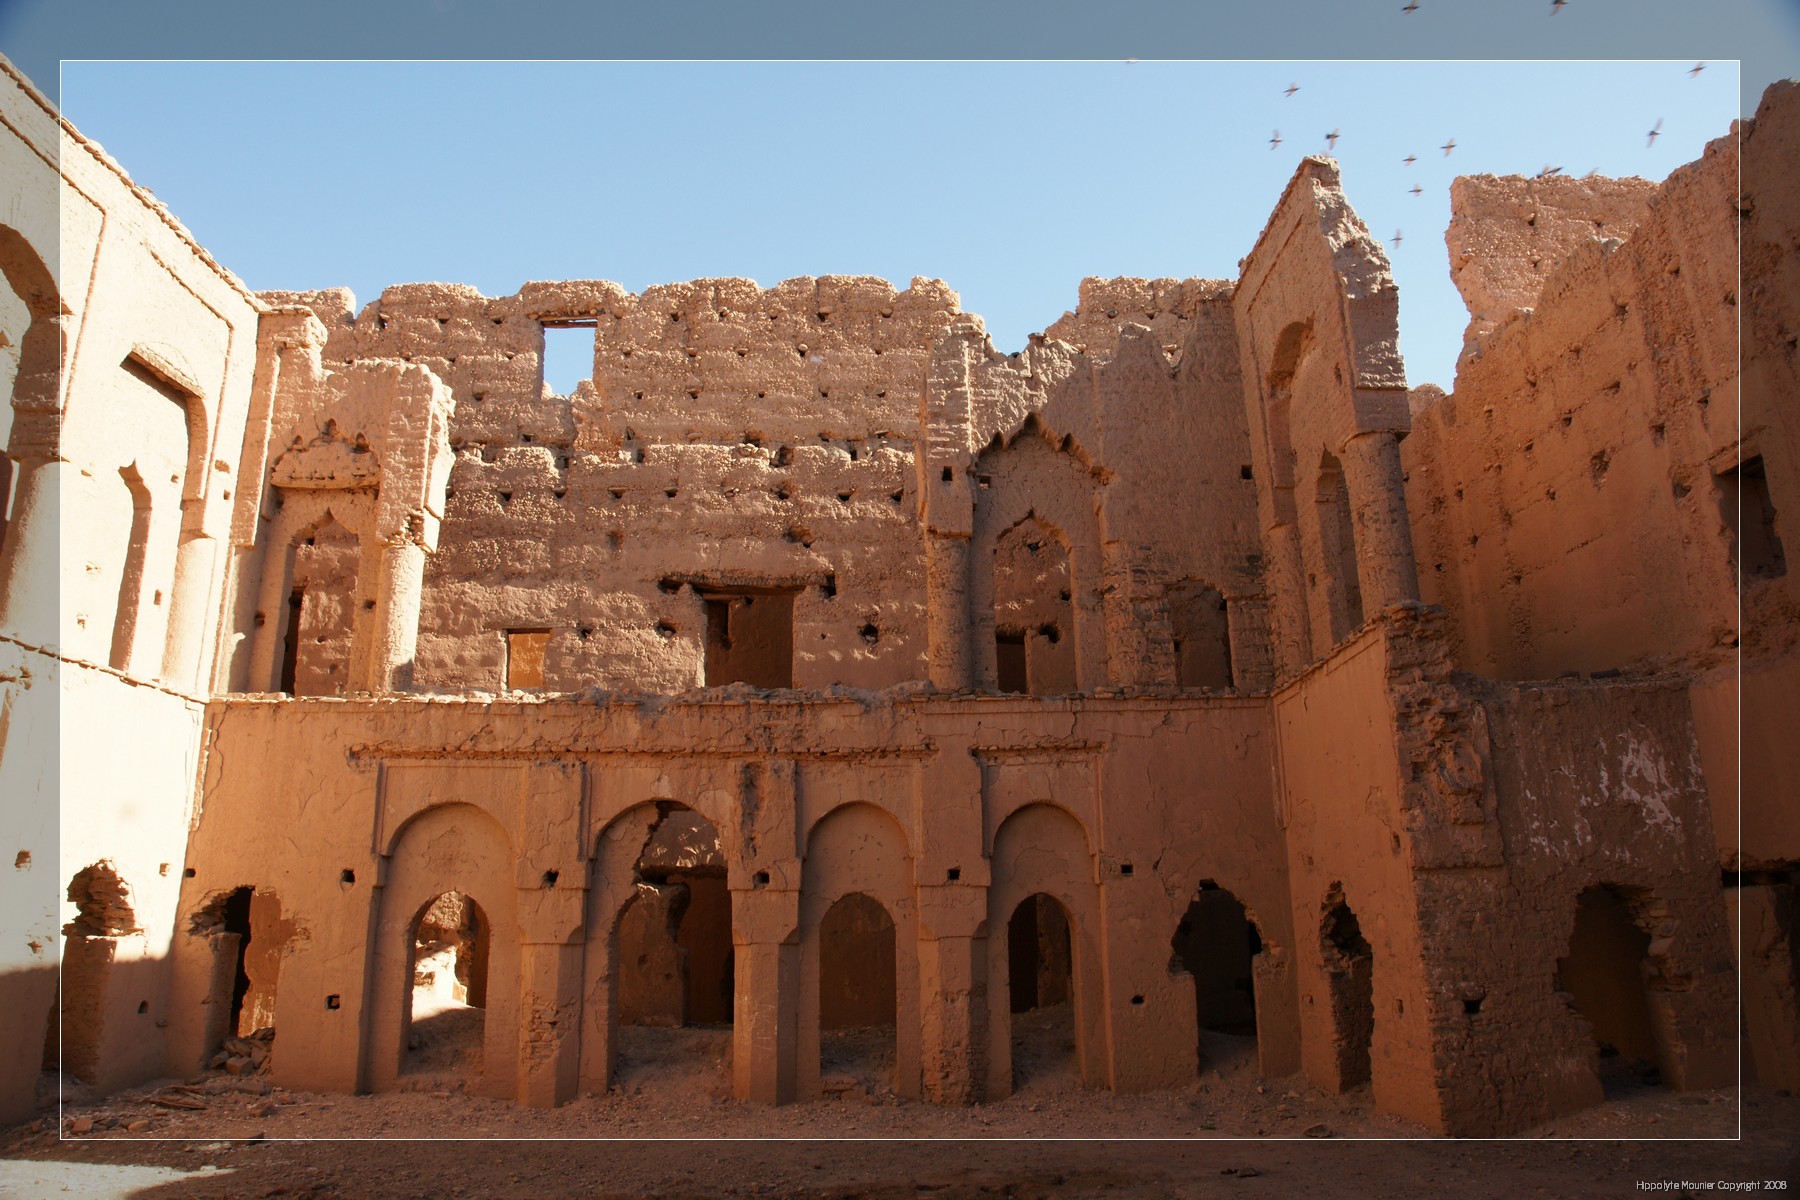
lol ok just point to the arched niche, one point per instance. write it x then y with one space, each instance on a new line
1036 491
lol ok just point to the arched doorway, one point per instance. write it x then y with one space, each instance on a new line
672 943
1605 975
1217 944
1041 991
1349 963
446 1017
858 991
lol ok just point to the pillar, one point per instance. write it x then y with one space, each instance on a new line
184 651
399 593
1384 551
947 607
549 1022
765 1027
953 994
272 594
30 583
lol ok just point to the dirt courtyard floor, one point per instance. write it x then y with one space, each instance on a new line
219 1135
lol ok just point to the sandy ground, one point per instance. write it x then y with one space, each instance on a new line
218 1136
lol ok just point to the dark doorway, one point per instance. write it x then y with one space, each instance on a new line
858 995
1216 943
1041 983
1350 980
1604 977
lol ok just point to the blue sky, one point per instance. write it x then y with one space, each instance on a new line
1011 181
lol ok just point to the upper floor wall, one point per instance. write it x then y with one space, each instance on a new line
748 486
1576 498
129 354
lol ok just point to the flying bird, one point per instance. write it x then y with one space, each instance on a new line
1410 159
1548 171
1695 70
1290 89
1412 6
1447 147
1130 61
1396 239
1556 6
1276 140
1655 132
1331 140
1416 190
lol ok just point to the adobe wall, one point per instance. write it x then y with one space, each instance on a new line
1769 846
779 428
1461 821
1596 785
1588 522
1119 808
1568 517
128 407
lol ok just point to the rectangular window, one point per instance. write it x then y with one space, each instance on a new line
525 649
1009 658
568 354
750 638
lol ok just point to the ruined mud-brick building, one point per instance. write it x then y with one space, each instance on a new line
813 665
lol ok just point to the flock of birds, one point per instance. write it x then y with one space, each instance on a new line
1549 171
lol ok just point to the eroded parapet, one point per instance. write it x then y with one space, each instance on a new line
1508 234
1163 306
1325 396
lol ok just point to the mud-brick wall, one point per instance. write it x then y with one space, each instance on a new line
731 436
1138 391
354 813
1596 784
1348 839
1564 500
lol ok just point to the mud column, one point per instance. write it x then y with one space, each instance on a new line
550 929
947 606
400 591
947 507
953 993
30 587
766 946
1384 551
184 653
